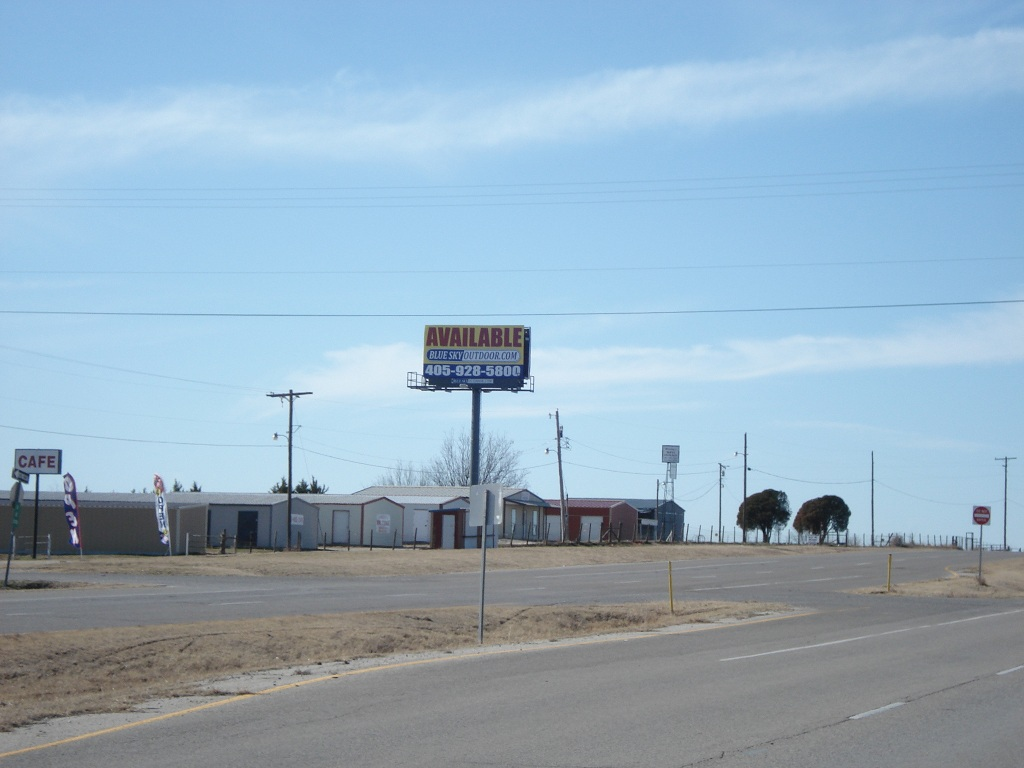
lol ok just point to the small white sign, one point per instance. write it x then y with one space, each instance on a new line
384 524
670 454
38 461
486 503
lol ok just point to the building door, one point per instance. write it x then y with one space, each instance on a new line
340 529
590 528
248 527
447 531
421 526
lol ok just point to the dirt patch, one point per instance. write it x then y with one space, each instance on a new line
58 674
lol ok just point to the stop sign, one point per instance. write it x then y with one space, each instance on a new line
982 515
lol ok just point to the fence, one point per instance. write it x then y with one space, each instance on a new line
23 546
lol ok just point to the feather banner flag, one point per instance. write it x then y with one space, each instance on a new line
71 511
161 511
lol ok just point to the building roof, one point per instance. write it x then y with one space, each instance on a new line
592 503
650 504
447 493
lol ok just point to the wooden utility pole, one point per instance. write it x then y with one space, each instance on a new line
291 396
561 482
1006 460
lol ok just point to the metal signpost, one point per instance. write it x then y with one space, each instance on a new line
982 516
15 518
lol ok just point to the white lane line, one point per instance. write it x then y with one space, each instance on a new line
241 602
773 583
878 711
872 636
1011 670
823 645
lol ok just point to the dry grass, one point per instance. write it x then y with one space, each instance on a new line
1000 579
57 674
361 561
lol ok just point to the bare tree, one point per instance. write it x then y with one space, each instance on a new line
499 461
402 474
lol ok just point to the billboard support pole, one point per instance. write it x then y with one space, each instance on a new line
474 479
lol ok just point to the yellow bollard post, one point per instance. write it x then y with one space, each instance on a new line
671 596
888 578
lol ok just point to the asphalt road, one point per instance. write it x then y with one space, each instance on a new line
143 600
848 680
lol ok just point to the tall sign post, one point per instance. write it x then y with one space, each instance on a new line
475 359
15 517
670 458
37 461
982 516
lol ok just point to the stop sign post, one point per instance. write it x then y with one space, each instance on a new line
982 516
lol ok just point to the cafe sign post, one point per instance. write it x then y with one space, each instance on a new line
37 461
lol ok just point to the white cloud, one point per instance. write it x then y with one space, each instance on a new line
363 373
995 336
348 121
992 337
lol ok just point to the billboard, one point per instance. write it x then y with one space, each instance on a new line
468 356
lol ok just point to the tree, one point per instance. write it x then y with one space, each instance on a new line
196 488
301 487
499 462
764 512
176 486
311 487
821 515
402 474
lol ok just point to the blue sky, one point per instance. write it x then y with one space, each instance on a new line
795 221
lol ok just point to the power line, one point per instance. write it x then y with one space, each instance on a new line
516 313
306 273
129 439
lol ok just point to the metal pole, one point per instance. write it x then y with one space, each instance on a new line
474 479
981 548
35 520
872 498
671 593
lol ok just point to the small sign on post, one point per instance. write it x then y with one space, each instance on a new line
982 516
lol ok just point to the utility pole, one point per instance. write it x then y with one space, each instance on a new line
743 513
872 498
561 483
291 409
721 478
1006 460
